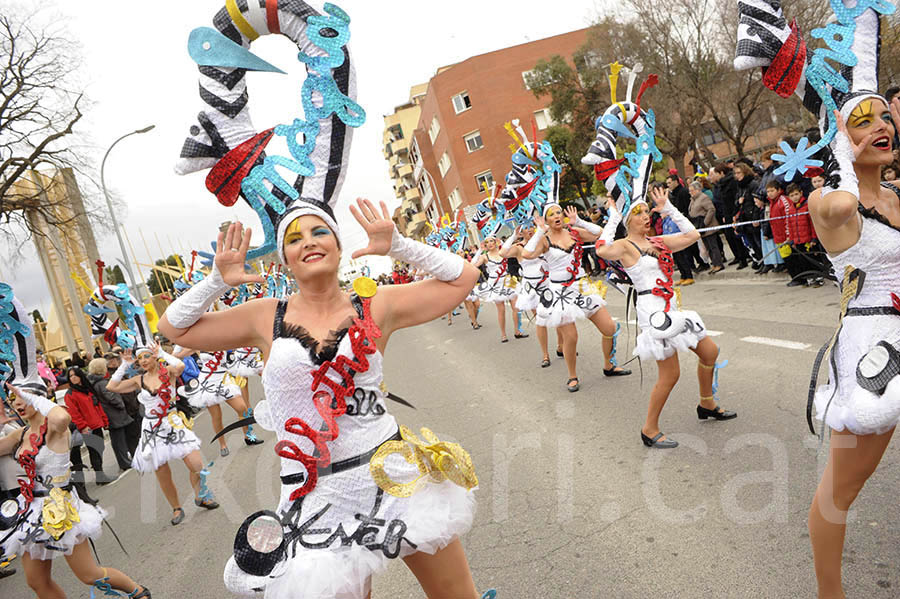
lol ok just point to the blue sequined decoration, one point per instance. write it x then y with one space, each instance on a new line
645 145
319 84
9 328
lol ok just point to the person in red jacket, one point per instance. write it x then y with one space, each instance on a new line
801 264
89 418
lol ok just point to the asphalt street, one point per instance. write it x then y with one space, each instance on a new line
571 504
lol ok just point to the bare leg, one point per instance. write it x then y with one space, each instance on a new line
559 340
444 575
501 318
851 461
215 414
37 575
473 317
569 346
542 341
87 571
669 371
707 351
240 408
245 393
164 478
607 327
194 463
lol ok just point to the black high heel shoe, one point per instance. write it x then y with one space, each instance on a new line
718 413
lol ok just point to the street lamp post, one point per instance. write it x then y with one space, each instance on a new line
112 214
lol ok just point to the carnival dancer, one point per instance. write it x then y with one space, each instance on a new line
528 292
857 220
472 301
499 286
166 435
665 329
570 295
216 386
48 518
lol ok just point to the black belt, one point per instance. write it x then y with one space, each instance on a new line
878 311
645 292
336 467
570 280
46 493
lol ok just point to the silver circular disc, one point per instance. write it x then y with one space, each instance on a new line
265 534
9 508
874 362
660 320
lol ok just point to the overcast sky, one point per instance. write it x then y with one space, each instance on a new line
138 72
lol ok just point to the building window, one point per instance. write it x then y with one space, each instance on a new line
525 76
414 152
461 102
711 134
444 164
482 179
473 141
543 119
455 200
434 129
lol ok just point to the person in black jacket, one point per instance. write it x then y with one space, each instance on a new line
725 200
747 188
114 407
686 258
132 405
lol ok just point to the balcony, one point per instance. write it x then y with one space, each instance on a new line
404 170
393 161
401 145
413 194
416 225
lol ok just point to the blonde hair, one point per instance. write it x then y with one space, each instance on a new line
97 366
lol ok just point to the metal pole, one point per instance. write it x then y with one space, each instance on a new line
134 285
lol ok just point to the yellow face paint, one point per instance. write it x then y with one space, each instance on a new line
637 210
292 233
862 115
553 212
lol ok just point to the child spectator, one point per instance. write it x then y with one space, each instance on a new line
777 210
889 173
801 235
772 260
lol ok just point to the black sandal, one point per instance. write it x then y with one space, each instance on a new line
144 594
573 388
504 341
177 517
520 335
545 363
207 503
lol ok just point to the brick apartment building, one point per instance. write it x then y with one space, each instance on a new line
459 141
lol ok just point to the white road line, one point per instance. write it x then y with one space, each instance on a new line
777 343
714 333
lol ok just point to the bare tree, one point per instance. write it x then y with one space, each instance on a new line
40 105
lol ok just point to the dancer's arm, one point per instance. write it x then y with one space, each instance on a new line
57 416
402 306
509 249
678 241
186 322
537 246
833 209
9 441
117 382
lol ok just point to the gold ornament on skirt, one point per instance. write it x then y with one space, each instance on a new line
436 460
58 513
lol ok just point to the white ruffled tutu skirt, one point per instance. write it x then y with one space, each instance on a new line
202 393
159 445
560 304
31 537
495 291
649 344
527 295
348 529
842 403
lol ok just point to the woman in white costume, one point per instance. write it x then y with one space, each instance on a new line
570 295
665 328
165 433
499 287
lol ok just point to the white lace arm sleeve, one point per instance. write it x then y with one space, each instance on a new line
839 172
612 224
535 240
38 402
443 265
684 223
589 226
188 309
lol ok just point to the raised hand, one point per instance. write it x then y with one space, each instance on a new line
572 214
231 255
863 144
379 227
541 223
127 355
660 198
611 205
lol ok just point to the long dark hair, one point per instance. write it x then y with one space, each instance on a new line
84 386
